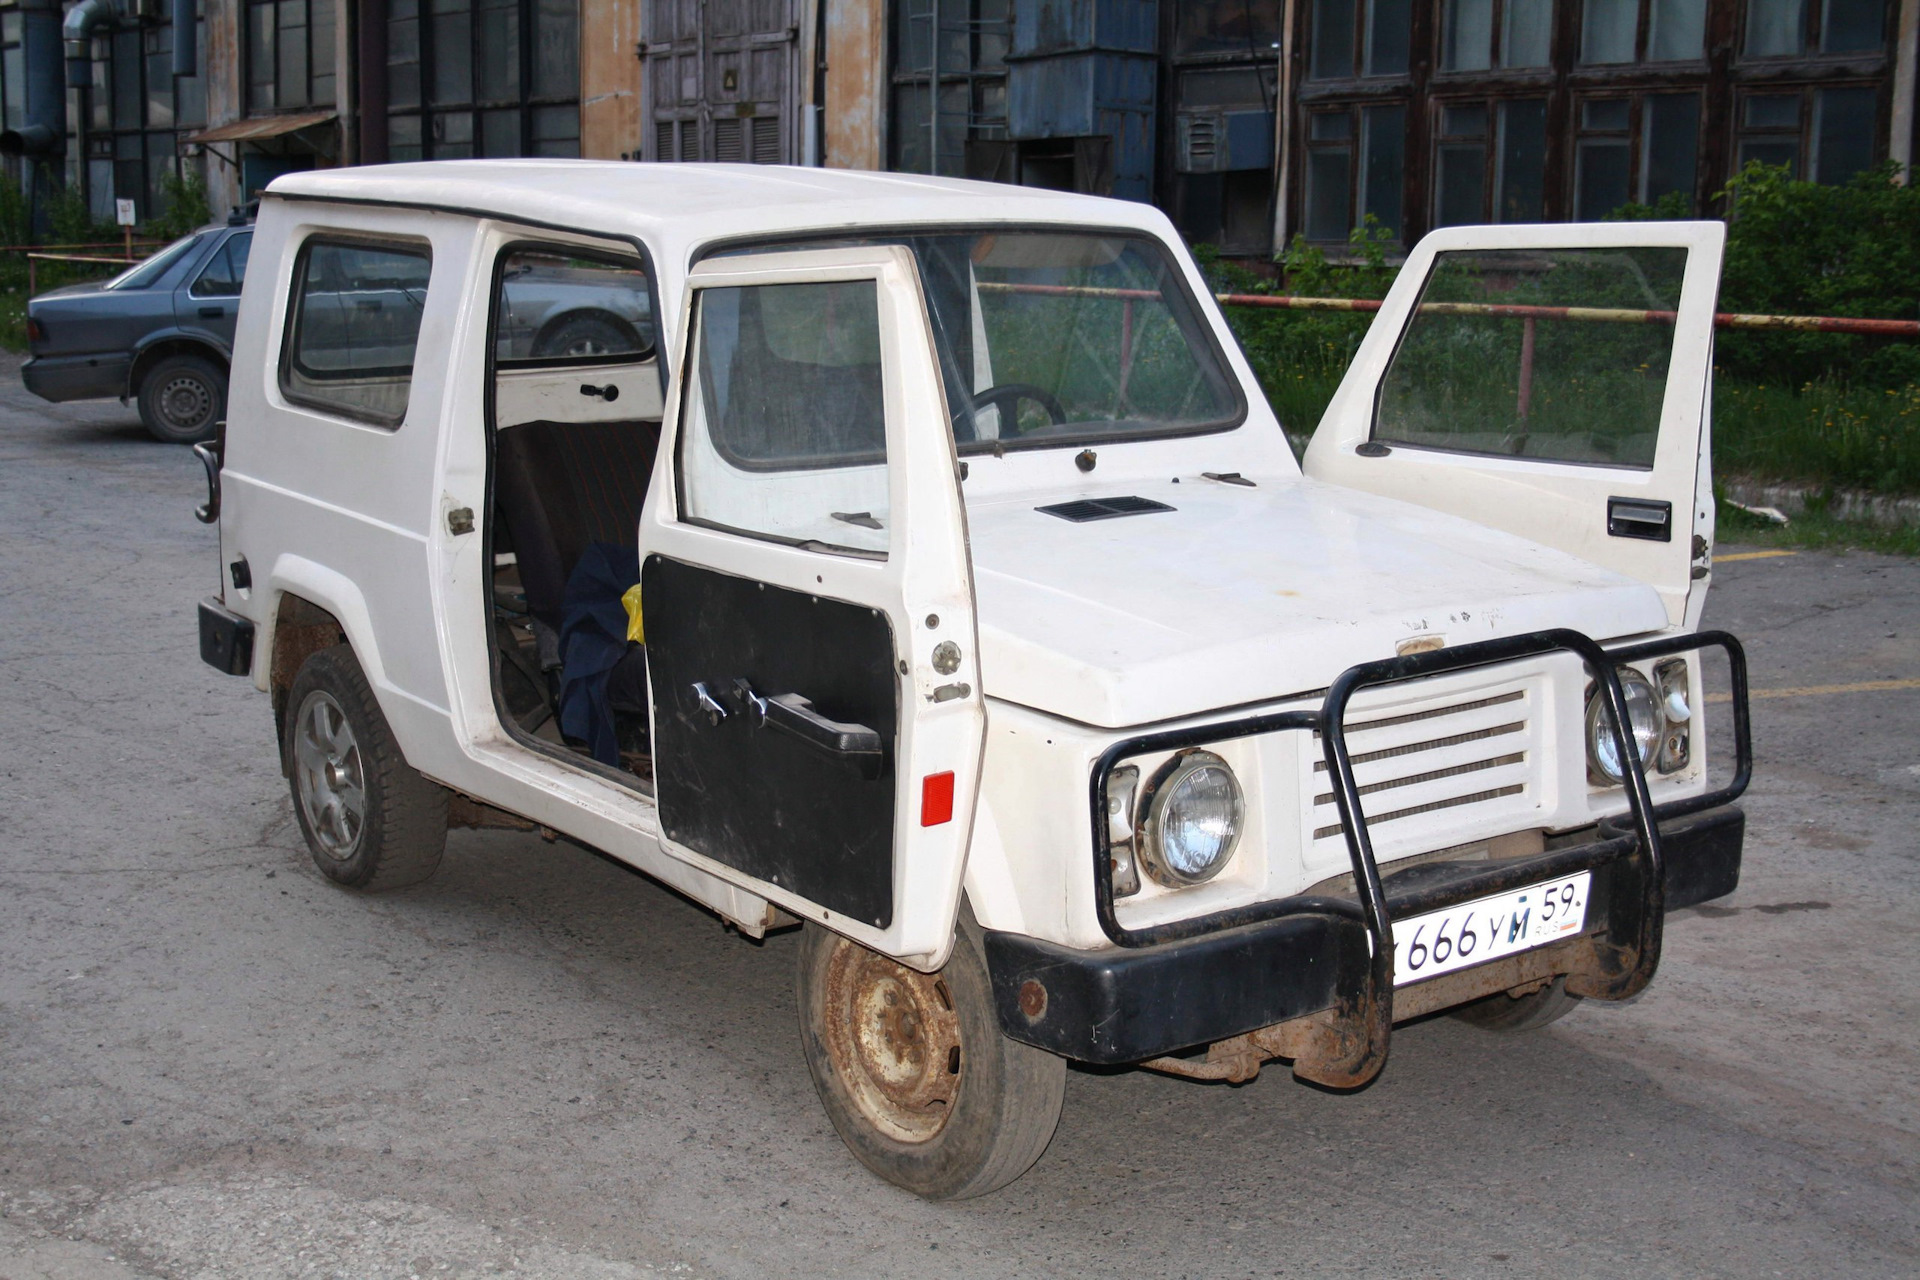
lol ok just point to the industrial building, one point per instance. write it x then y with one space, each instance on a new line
1247 120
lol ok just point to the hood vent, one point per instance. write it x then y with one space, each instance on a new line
1085 509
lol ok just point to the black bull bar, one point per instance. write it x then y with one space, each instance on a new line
1345 1044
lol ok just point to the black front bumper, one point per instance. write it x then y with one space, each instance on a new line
1129 1004
1323 965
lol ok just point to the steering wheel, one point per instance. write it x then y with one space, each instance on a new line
1007 396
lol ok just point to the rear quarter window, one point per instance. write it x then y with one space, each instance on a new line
353 327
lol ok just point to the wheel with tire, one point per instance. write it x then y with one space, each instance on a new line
371 820
586 334
914 1072
1502 1012
182 398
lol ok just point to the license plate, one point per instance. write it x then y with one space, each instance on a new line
1488 928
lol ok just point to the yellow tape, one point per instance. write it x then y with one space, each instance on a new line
1753 555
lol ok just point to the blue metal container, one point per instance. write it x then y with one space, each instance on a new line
1042 27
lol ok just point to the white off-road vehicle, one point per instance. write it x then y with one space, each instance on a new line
918 561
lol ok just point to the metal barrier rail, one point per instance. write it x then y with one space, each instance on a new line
1604 315
34 259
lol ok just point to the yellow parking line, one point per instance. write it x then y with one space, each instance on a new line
1815 690
1753 555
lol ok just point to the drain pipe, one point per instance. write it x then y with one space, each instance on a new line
78 31
41 137
186 38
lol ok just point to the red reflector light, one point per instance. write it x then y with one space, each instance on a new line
936 799
35 333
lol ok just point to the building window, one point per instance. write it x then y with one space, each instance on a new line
1356 166
1228 28
1480 35
1792 28
1623 31
483 78
1634 150
1825 134
290 55
1370 38
135 108
1490 162
949 82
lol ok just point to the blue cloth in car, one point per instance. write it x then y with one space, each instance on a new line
593 639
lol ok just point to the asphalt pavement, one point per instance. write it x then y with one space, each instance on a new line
213 1064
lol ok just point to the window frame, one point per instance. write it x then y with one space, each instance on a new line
1492 143
1813 34
316 59
903 232
1805 133
424 113
1378 397
1497 65
609 257
221 251
1643 41
933 77
412 246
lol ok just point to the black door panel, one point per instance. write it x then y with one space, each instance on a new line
767 789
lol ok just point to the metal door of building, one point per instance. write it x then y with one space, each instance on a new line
720 80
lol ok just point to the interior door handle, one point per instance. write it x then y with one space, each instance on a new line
795 716
213 313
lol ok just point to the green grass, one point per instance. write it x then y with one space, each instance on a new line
1815 530
1823 434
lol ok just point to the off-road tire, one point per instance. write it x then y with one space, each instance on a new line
1502 1012
182 399
402 829
1008 1097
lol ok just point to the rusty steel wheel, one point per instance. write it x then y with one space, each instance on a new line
914 1072
894 1040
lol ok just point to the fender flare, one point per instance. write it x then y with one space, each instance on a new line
176 335
329 589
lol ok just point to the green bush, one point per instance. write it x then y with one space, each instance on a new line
1801 248
184 206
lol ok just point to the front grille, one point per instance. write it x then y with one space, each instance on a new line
1467 756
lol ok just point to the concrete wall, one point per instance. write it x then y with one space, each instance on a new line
226 96
856 84
610 77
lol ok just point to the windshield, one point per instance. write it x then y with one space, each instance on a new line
139 277
1054 338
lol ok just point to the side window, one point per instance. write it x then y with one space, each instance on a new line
226 270
352 325
556 308
784 428
1492 363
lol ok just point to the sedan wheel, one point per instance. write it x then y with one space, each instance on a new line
182 399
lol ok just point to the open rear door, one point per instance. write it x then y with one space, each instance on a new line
1551 381
808 601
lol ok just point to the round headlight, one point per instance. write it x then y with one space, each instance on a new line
1194 814
1643 726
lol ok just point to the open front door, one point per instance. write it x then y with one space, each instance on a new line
1551 381
808 602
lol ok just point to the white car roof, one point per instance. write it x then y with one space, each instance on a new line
681 205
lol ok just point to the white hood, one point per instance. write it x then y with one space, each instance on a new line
1244 595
